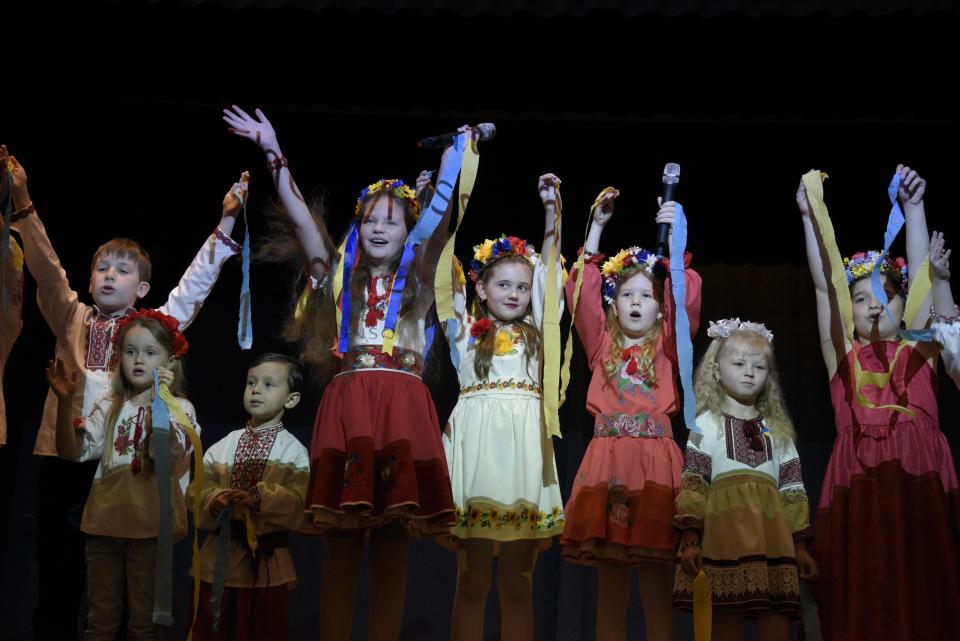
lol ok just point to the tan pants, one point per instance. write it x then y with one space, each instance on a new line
116 566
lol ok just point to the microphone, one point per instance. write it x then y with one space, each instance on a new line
487 130
671 176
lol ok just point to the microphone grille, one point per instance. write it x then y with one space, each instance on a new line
487 130
671 173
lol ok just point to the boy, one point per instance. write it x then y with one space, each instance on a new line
264 469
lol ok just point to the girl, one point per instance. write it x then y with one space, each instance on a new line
742 506
376 454
500 457
946 325
890 486
621 507
122 511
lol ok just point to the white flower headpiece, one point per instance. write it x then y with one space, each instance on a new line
723 328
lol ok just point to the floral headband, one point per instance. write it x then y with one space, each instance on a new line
393 185
490 250
861 264
169 323
625 259
725 327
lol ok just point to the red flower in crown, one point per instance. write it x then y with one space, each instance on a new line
171 324
480 327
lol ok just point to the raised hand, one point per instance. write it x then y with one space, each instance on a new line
939 257
234 199
547 187
667 212
423 181
258 129
803 203
912 186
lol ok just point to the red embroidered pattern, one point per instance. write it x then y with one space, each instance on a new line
377 303
100 332
250 459
738 445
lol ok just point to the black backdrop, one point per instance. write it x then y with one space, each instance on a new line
114 111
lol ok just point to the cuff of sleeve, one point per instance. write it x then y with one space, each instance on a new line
226 240
803 535
687 522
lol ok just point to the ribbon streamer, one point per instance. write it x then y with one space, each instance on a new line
220 565
245 324
678 245
702 608
163 574
551 331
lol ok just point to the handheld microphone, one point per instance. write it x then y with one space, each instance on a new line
671 176
487 130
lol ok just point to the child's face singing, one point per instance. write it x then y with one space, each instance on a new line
140 356
506 290
636 306
383 232
743 368
869 320
115 283
267 394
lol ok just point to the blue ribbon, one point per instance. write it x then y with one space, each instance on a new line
5 244
163 574
349 256
425 227
678 246
220 565
451 333
244 324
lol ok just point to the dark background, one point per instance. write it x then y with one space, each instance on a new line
114 110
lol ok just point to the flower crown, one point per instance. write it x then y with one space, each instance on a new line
723 328
169 323
394 186
490 250
623 260
861 265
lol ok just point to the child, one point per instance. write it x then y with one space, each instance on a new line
500 456
945 314
264 469
119 278
11 319
742 506
121 517
890 488
376 458
621 507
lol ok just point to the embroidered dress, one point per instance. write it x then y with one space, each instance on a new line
123 498
501 461
84 334
376 455
745 492
273 466
621 506
887 529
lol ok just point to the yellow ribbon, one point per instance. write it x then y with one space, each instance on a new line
578 265
551 332
813 181
173 406
443 280
702 608
16 255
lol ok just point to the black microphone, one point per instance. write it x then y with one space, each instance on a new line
487 130
671 176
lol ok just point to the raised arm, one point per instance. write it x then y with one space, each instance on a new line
833 341
64 385
318 253
547 188
911 192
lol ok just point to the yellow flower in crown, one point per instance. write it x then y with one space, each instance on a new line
394 185
503 342
861 265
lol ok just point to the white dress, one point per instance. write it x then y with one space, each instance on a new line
502 467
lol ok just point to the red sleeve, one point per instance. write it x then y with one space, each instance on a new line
590 319
693 286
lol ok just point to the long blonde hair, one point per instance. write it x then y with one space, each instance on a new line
648 345
769 403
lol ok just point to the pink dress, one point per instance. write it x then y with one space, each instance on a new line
621 506
886 532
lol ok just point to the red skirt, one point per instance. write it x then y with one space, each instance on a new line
886 544
377 456
246 614
621 507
